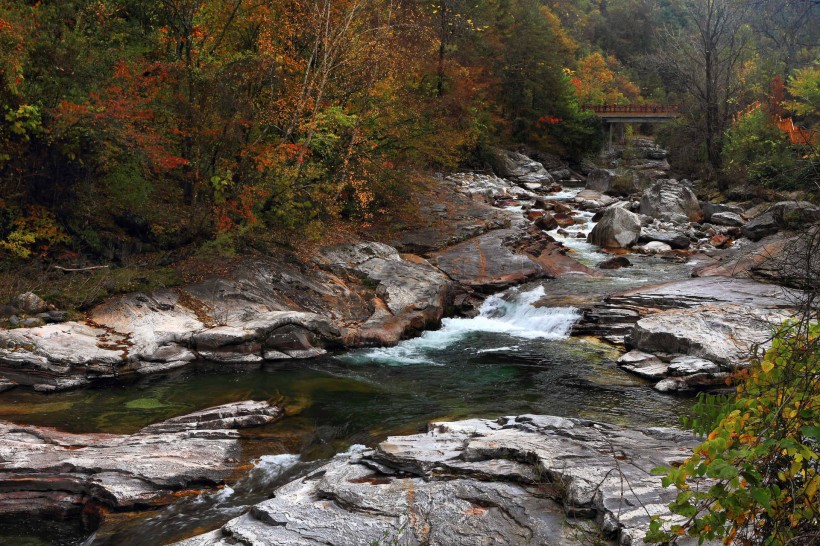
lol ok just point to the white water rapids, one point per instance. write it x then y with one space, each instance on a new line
512 313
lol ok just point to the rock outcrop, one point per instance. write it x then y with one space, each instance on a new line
794 215
355 294
48 473
412 295
671 201
516 480
600 180
715 319
488 262
520 169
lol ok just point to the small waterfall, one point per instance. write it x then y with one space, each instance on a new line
512 313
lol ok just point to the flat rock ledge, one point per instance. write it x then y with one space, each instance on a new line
516 480
48 473
352 295
691 334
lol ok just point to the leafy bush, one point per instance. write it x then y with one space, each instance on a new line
755 480
759 152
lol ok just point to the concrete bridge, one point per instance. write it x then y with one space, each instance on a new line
619 115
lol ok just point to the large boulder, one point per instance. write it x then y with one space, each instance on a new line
487 262
530 479
761 226
617 228
520 169
30 303
622 182
669 200
709 208
675 239
600 180
729 219
593 200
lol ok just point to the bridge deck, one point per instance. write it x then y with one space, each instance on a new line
636 113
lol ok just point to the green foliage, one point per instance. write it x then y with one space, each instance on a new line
578 135
757 151
128 186
756 478
804 86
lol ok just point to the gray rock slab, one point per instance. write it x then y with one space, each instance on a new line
670 200
722 334
122 471
515 480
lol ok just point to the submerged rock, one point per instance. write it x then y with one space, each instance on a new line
474 482
616 262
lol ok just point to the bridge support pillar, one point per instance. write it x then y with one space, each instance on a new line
610 135
609 142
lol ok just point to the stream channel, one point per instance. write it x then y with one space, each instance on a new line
515 357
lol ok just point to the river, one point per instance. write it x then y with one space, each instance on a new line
514 357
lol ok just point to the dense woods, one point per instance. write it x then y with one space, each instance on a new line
132 126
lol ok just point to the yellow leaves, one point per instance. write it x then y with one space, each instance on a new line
767 366
812 487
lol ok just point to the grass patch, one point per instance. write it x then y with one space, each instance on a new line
76 292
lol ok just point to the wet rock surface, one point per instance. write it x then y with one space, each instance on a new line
517 480
716 320
45 472
488 262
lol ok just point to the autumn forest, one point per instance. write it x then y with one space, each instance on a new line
132 125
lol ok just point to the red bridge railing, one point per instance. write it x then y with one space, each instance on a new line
634 109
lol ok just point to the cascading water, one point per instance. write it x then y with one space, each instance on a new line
511 313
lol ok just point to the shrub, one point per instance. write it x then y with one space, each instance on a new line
755 479
759 152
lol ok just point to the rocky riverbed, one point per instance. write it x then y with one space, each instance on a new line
536 478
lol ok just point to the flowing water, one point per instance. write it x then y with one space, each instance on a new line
514 357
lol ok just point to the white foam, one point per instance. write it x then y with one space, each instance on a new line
511 313
272 466
497 349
